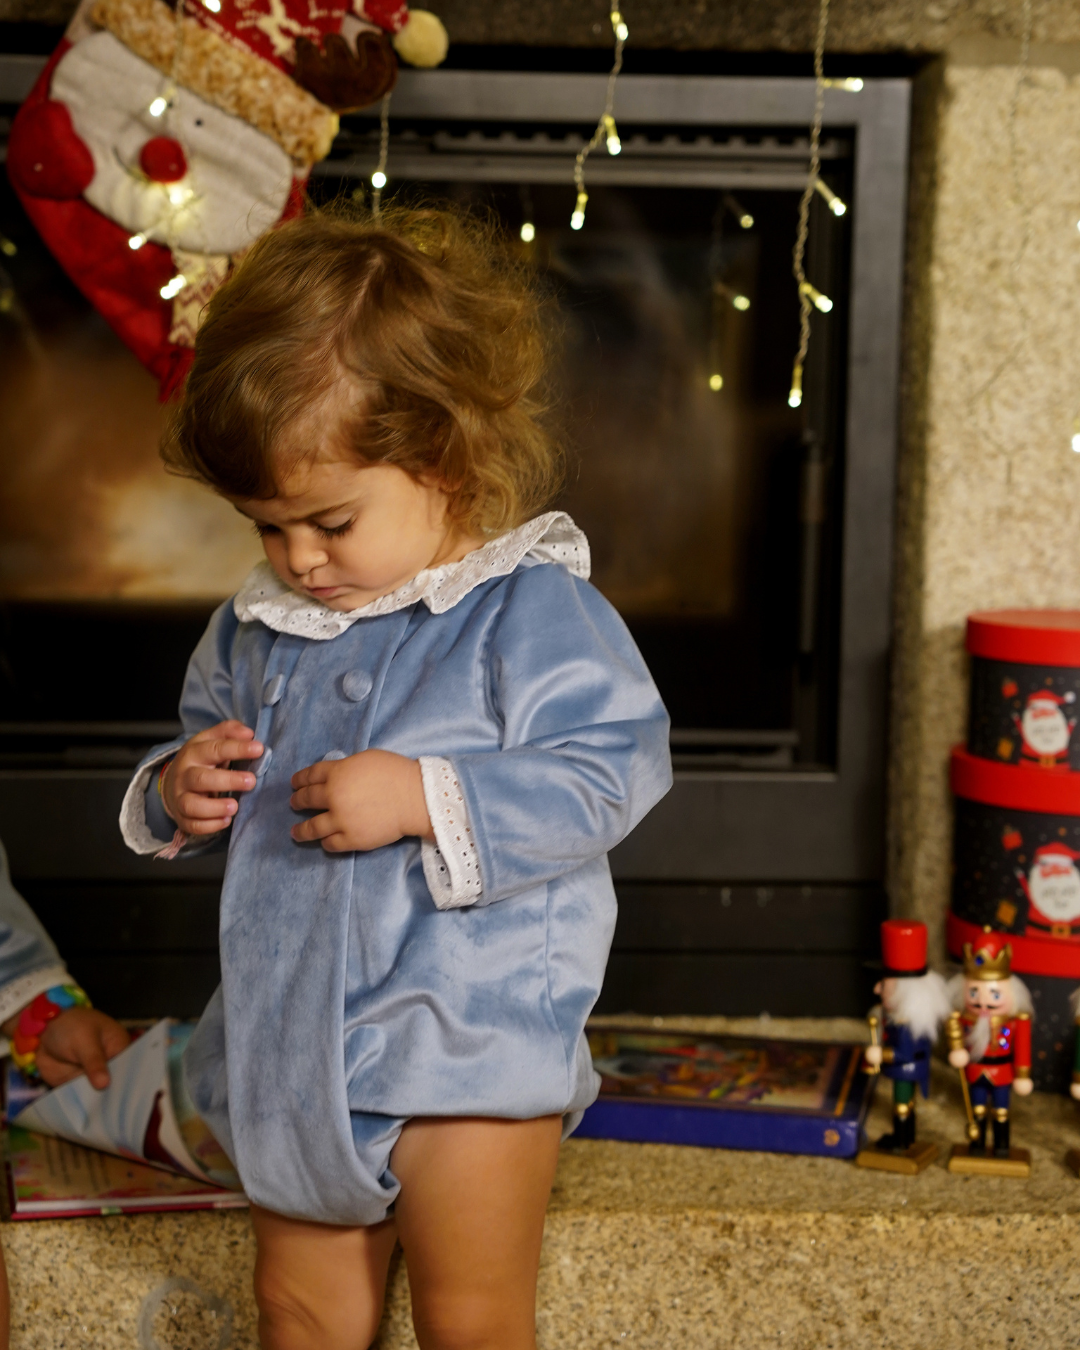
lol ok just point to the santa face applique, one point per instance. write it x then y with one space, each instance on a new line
194 177
1045 731
1053 887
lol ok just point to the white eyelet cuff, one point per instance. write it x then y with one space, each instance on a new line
451 867
137 834
17 993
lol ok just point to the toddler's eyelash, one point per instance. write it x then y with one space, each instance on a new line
334 531
263 530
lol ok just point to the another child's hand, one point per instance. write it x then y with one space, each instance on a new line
194 781
80 1040
368 800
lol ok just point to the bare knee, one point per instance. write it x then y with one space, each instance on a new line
473 1322
290 1318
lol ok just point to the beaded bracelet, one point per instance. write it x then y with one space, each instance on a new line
36 1016
161 778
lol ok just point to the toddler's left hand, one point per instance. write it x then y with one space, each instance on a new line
367 800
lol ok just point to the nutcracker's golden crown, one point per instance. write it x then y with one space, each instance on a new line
989 958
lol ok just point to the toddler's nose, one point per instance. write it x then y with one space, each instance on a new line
162 160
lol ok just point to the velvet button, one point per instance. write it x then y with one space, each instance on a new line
273 690
264 762
335 754
356 685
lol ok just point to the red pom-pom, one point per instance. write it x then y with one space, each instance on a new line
45 156
389 15
162 159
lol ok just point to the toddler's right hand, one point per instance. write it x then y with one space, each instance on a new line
198 775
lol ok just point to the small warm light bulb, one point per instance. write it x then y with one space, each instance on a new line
578 218
136 241
794 397
214 6
158 106
378 180
716 382
618 26
741 301
528 231
1076 441
816 297
746 220
852 85
7 247
173 287
614 145
178 194
1078 224
836 206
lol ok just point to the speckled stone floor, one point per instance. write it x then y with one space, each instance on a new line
658 1247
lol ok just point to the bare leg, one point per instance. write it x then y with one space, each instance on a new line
470 1218
319 1286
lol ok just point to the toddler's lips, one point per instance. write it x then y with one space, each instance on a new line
325 592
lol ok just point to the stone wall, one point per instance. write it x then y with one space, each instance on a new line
989 480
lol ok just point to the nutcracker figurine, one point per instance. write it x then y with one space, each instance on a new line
914 1003
989 1038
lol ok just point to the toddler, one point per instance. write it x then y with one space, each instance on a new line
422 730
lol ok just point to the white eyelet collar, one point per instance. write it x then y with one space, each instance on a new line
550 538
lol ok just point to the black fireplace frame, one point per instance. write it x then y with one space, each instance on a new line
743 890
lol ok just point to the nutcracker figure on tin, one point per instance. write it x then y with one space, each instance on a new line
989 1038
914 1003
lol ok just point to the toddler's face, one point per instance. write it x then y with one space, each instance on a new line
346 533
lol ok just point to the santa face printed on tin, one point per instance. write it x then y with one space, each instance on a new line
1044 728
1053 884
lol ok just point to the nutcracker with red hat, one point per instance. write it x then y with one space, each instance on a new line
164 137
989 1038
914 1003
1045 730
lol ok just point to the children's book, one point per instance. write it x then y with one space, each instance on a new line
137 1145
721 1091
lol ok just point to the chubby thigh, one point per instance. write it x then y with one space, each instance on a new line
470 1220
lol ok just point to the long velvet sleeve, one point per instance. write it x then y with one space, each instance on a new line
29 962
585 744
206 700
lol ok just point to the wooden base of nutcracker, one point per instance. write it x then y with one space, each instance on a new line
909 1163
1072 1160
1017 1164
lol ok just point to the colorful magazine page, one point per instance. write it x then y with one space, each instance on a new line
728 1091
52 1178
144 1114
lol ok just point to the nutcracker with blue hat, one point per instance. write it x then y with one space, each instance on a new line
989 1036
914 1003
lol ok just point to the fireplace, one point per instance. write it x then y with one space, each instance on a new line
747 544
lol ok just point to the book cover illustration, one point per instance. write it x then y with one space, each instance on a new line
727 1091
60 1140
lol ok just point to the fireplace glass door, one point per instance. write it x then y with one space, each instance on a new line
746 543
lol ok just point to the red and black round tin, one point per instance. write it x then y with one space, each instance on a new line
1025 687
1017 869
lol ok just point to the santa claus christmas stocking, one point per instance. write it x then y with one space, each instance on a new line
160 142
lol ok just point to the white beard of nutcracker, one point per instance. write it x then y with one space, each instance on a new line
989 1036
1044 729
162 140
1052 887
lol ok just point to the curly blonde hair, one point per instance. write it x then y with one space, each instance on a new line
427 310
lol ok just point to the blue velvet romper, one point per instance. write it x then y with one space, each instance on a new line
360 989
